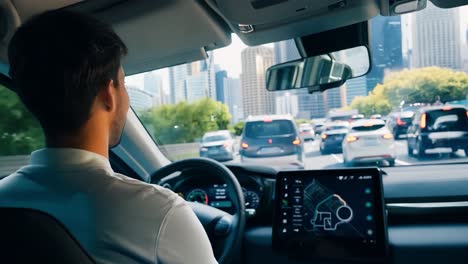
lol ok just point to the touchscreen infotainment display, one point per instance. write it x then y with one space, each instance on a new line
330 214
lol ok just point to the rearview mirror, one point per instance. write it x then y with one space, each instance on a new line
319 73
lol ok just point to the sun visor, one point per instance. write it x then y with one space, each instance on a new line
165 32
263 21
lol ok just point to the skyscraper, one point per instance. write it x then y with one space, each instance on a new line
465 54
208 67
317 106
177 87
233 98
287 104
220 76
152 84
255 62
192 81
285 51
436 38
355 87
140 100
334 98
385 48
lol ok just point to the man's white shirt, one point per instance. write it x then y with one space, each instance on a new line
117 219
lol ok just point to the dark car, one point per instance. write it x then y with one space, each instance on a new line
399 122
438 127
318 128
332 137
272 140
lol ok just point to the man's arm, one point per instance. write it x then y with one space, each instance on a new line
182 238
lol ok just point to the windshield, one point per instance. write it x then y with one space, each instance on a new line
418 60
215 138
261 129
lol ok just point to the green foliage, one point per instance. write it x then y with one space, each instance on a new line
425 84
421 85
20 133
238 128
302 121
185 122
374 103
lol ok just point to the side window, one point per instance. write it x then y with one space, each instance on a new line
20 133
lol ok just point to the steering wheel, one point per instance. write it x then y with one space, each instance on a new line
224 230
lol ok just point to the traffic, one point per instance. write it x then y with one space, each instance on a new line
428 134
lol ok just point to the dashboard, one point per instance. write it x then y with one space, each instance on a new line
215 195
427 209
257 187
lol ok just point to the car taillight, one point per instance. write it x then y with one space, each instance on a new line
466 114
324 136
400 122
296 141
244 145
387 136
350 139
422 122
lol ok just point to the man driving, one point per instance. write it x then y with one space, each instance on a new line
66 68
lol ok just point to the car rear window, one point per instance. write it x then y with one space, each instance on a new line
368 127
335 127
447 120
260 129
215 138
406 119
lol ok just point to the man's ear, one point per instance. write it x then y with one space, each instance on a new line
107 97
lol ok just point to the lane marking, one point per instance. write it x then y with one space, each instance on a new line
400 162
337 158
399 143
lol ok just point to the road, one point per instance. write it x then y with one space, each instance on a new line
314 160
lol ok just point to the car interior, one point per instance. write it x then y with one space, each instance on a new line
423 217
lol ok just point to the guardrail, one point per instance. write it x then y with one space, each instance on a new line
9 164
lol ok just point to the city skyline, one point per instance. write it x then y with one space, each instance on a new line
391 51
256 99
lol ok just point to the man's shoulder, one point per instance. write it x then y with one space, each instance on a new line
144 191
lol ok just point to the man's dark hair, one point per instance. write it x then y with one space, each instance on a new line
59 61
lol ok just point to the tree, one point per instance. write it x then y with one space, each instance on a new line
186 122
421 85
238 128
424 85
374 103
20 133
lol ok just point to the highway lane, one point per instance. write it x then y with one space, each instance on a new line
314 160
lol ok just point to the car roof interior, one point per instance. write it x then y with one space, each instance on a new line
157 36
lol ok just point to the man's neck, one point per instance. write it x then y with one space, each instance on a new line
96 142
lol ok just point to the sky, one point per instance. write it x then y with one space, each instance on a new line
229 59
